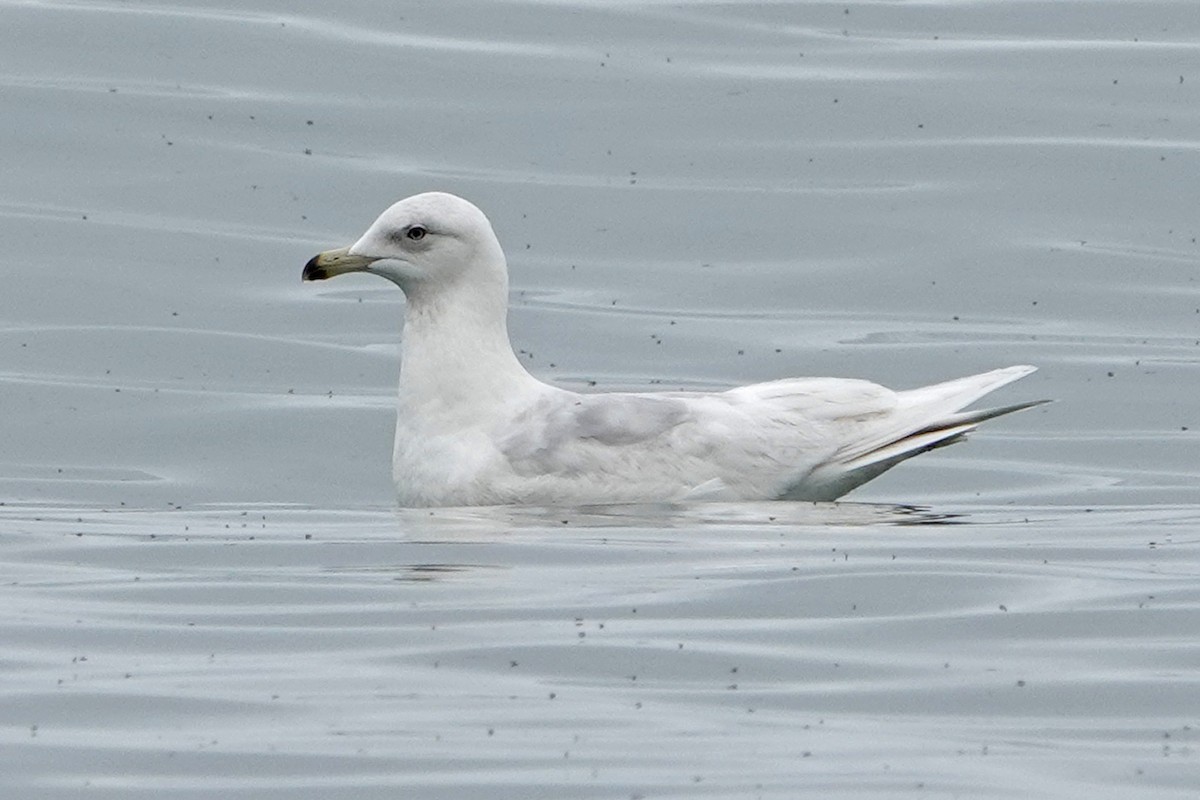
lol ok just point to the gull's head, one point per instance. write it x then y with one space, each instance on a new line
423 241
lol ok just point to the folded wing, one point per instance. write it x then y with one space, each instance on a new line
798 439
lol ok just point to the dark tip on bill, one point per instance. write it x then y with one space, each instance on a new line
314 271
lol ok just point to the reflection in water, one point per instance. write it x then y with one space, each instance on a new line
659 517
419 573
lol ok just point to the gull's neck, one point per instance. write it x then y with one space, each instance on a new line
455 353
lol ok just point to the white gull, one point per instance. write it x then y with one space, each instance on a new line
475 428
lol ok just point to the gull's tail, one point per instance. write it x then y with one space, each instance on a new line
924 419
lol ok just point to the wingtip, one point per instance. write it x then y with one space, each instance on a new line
1006 375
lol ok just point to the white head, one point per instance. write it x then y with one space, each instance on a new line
421 243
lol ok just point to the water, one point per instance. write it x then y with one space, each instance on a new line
206 587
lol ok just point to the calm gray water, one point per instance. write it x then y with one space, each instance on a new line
206 590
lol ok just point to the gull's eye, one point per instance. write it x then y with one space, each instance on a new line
416 233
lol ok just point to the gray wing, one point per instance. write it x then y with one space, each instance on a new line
755 440
803 438
562 432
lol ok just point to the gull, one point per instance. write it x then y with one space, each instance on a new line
474 427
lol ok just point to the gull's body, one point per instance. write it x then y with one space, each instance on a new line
475 428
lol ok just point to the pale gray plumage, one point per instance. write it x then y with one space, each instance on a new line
475 428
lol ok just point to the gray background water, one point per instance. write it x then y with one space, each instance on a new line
206 589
